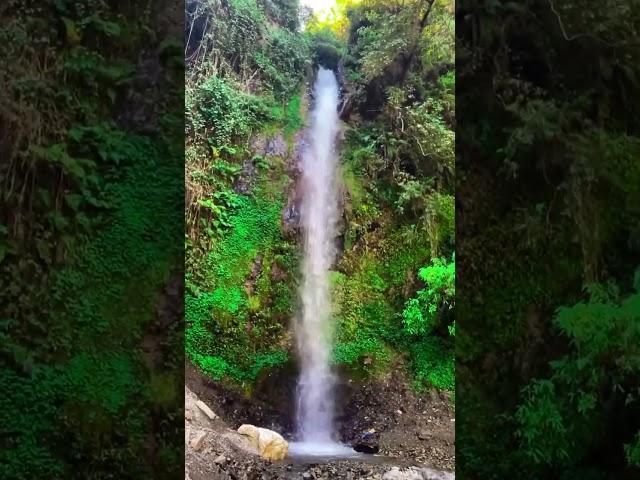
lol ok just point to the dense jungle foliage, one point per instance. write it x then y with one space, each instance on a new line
548 202
90 226
250 65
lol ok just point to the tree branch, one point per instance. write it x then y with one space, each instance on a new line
570 38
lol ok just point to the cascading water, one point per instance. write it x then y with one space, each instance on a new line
319 215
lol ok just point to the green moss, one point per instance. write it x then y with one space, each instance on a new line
378 273
237 319
286 117
93 384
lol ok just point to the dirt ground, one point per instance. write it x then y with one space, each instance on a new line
411 426
412 430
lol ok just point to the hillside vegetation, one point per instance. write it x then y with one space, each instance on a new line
249 66
548 240
90 223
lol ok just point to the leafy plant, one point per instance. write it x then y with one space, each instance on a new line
554 425
423 314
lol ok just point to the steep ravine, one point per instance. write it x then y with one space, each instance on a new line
384 413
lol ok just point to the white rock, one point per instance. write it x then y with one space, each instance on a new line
270 444
431 474
197 442
417 474
207 411
396 474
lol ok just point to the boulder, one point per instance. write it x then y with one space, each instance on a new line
270 445
368 442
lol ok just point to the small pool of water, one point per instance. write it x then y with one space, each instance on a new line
325 450
305 453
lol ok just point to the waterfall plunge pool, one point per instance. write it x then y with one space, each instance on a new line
317 453
325 450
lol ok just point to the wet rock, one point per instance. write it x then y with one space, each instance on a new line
276 146
368 442
244 183
277 274
299 147
417 474
291 218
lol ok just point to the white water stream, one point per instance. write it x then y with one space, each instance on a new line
319 215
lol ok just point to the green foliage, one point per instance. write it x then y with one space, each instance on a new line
289 118
632 451
284 12
548 209
101 378
245 87
433 363
542 426
431 354
398 173
398 44
327 49
281 61
556 426
88 230
423 313
352 353
263 56
380 41
230 333
225 112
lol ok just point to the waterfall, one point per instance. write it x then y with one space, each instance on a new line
319 216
